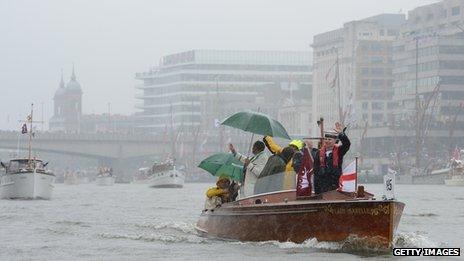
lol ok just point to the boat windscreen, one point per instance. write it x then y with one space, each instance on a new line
275 182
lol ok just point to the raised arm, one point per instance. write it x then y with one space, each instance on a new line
271 145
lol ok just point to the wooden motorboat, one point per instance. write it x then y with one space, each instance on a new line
280 216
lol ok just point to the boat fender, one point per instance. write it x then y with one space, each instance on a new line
258 201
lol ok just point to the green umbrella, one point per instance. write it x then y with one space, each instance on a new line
256 123
223 164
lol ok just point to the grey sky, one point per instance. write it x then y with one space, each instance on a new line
111 40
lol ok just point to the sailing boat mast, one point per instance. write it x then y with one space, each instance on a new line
30 118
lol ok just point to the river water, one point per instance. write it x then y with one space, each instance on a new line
134 222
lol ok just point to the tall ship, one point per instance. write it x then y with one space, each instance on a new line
165 175
26 178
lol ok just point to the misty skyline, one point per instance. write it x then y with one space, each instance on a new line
109 41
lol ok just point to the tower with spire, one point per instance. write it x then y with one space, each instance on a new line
67 105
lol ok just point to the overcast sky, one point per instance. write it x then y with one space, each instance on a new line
109 41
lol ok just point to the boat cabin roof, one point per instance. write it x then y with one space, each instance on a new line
24 160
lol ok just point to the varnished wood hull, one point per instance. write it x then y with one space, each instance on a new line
372 221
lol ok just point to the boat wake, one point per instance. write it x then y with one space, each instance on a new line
352 245
182 227
413 240
167 232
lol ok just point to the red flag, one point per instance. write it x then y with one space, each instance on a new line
303 183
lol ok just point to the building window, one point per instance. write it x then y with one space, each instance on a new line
455 10
365 105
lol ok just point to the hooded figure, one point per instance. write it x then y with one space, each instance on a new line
289 178
329 160
273 174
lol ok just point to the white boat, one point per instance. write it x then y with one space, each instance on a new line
105 180
457 174
105 177
70 179
165 175
26 179
455 180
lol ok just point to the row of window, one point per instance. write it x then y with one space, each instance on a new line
375 71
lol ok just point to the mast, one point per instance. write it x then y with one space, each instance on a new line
416 106
30 118
340 113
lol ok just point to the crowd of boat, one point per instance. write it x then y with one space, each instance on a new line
282 214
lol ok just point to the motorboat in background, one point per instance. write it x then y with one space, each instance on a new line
26 178
105 177
165 175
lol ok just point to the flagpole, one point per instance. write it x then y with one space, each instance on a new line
356 169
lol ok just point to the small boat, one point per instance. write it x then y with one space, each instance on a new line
165 175
280 216
141 176
457 174
105 177
24 179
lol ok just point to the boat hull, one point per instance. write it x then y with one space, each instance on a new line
27 185
172 179
455 181
105 181
373 222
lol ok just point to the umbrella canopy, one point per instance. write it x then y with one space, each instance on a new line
223 164
256 123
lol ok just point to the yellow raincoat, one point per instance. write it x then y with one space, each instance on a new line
290 175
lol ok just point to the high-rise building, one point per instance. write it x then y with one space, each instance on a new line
429 76
352 71
196 88
67 106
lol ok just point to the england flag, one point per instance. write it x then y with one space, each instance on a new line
348 178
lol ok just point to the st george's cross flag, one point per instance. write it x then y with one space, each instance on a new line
347 181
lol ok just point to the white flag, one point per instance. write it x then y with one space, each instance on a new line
347 181
389 185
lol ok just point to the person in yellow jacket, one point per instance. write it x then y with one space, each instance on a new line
274 148
222 193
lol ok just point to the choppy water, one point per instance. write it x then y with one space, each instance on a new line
126 221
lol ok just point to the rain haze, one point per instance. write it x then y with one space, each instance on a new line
109 41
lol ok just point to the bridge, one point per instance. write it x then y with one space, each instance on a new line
98 145
110 149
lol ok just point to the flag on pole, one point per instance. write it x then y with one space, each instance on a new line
347 181
24 129
389 185
29 118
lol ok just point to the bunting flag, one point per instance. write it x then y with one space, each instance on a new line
24 128
303 183
347 181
